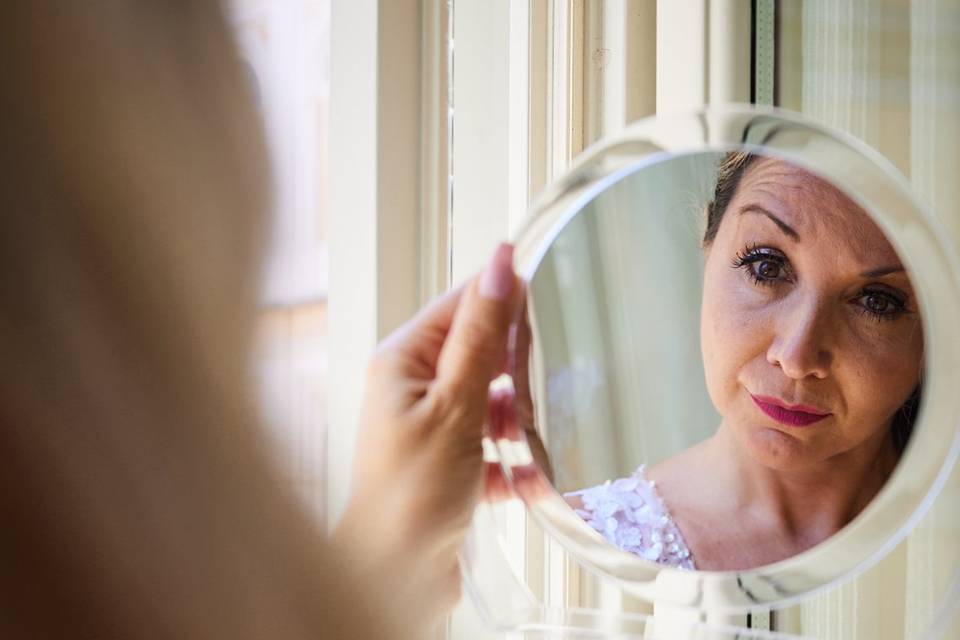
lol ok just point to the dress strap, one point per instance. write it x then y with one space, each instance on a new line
630 514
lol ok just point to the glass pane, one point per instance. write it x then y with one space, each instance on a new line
888 73
287 48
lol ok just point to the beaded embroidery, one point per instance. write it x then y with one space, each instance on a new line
629 514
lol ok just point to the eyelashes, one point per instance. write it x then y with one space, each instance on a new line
880 305
765 265
768 267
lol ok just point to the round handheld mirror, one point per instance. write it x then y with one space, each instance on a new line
733 371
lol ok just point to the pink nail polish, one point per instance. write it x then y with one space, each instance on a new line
497 280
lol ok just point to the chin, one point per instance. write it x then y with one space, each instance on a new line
779 450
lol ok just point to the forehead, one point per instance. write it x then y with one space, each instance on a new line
822 215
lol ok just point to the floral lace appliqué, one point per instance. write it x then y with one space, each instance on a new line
629 513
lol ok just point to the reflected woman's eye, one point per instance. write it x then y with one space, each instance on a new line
880 304
764 265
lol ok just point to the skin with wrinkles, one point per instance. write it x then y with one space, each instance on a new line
798 322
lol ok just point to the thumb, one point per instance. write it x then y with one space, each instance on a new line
474 349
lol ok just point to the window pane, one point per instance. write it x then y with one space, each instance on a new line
287 47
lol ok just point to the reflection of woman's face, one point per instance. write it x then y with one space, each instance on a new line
805 303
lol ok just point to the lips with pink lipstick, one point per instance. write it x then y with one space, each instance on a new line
796 415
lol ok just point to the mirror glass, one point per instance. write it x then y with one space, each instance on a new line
733 377
726 362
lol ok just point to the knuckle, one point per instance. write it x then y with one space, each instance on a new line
479 340
441 403
454 410
448 408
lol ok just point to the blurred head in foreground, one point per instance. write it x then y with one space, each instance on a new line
137 498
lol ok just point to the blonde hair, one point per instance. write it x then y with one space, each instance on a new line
137 499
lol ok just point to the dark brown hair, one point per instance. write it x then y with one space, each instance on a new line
730 172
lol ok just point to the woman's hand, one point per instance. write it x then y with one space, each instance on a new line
419 470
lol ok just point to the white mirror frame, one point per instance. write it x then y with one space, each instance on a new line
872 182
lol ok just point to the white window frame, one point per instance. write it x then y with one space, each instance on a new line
563 74
375 279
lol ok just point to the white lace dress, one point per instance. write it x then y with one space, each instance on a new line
629 513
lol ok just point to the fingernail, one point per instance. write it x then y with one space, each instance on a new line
497 280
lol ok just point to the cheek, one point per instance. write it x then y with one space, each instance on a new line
881 369
732 334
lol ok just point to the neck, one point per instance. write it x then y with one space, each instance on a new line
810 503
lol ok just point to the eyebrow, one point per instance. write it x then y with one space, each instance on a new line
790 231
882 271
787 229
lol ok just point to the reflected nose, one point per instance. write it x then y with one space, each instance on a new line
801 343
